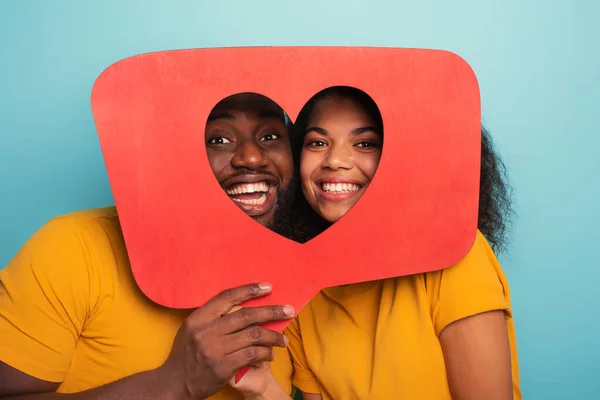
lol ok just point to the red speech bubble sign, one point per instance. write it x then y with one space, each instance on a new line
186 239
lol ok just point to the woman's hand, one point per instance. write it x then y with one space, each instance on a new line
259 383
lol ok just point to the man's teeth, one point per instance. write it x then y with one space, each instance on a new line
260 201
340 187
241 188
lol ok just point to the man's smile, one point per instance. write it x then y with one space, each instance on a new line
249 193
255 194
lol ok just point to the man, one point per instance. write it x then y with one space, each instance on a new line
249 151
72 319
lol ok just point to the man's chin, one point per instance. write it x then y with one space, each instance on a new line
263 217
266 219
277 218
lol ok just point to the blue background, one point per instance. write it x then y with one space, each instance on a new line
538 67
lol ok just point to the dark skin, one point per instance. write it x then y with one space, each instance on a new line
247 143
213 343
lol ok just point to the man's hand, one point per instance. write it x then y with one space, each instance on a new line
213 342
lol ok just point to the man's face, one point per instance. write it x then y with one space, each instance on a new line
249 152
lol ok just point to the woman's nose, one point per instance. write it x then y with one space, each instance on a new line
338 157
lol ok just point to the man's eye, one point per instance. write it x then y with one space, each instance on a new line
219 140
270 136
316 143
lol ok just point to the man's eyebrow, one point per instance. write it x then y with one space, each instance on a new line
261 114
271 114
214 117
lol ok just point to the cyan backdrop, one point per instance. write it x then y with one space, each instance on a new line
538 66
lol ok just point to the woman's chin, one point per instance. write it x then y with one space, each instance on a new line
333 214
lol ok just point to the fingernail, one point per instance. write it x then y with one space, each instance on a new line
288 310
265 286
286 340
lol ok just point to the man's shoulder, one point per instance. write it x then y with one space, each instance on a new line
89 215
79 249
90 236
90 224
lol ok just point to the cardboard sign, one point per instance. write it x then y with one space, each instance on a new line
186 239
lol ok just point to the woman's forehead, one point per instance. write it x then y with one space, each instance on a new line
339 108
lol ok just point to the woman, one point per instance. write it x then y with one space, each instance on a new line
442 335
343 152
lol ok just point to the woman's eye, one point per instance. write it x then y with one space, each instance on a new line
270 136
316 143
219 140
366 145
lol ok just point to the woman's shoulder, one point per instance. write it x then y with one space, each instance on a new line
476 277
474 281
474 285
479 262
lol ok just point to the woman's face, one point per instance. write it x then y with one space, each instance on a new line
340 154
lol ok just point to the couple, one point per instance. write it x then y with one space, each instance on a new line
72 319
263 163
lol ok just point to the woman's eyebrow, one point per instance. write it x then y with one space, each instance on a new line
316 129
365 129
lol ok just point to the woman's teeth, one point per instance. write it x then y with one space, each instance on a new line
340 187
260 201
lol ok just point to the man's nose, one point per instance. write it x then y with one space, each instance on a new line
251 155
338 157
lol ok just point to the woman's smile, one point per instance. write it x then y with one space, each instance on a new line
338 189
341 152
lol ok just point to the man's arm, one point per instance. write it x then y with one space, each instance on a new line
13 382
209 348
17 385
48 292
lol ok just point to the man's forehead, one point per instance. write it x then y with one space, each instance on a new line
254 103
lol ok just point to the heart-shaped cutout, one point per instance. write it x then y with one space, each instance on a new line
184 242
295 177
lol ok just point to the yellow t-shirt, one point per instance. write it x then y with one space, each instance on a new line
71 312
379 340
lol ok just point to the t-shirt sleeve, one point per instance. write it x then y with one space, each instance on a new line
473 286
303 378
44 301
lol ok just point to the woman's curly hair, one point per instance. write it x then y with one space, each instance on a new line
495 194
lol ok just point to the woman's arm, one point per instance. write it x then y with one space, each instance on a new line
477 355
311 396
280 394
272 391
